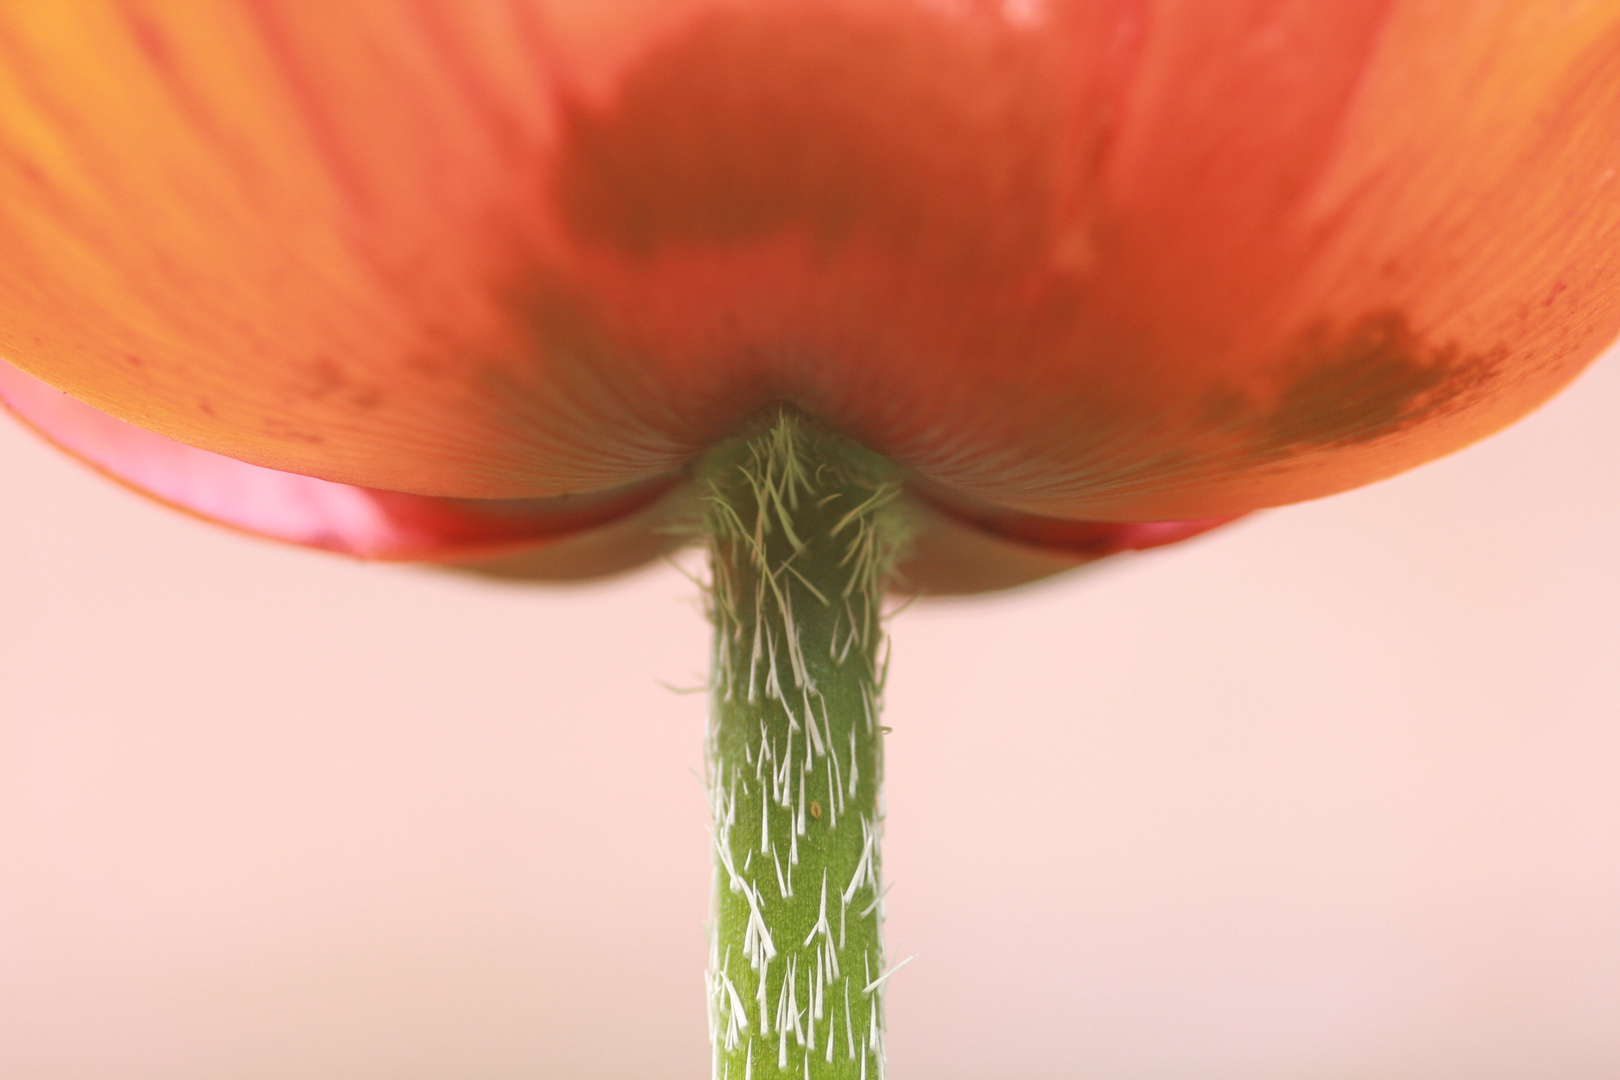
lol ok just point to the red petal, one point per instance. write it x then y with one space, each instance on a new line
1113 259
968 547
360 521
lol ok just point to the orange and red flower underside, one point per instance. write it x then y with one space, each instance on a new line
496 272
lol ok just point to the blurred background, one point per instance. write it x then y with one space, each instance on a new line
1332 794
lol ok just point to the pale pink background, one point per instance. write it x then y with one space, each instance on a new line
1334 795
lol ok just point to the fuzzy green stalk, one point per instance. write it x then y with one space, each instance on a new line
803 531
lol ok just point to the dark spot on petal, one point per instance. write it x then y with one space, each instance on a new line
1365 382
1227 408
150 39
751 124
280 429
325 378
425 365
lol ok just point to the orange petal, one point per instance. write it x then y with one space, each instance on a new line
1122 259
959 548
560 538
966 547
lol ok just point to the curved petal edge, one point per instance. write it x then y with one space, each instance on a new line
364 522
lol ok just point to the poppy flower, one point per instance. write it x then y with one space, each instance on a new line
482 282
1098 262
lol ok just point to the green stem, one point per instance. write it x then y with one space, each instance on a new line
803 531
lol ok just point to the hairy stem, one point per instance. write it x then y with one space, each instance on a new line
803 530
